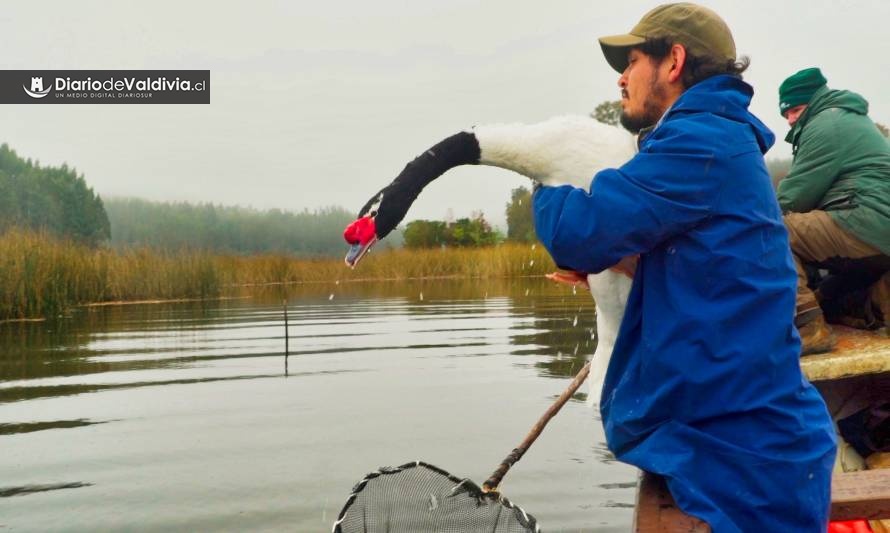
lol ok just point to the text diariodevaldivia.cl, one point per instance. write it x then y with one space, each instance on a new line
127 84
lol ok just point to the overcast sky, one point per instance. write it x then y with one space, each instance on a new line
322 103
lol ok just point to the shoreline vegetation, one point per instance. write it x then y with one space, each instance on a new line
42 276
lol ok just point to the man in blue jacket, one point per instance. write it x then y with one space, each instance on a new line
704 385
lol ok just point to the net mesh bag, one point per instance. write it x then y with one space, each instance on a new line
419 497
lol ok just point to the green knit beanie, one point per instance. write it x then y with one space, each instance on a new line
799 88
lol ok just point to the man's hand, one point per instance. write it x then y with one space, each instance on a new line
627 266
569 278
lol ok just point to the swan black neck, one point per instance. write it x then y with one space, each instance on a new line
397 197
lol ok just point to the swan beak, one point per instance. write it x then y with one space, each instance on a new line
361 236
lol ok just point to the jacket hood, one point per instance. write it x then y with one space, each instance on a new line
725 96
826 98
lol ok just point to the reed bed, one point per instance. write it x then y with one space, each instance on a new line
41 276
504 260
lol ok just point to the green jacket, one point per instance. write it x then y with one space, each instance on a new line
841 165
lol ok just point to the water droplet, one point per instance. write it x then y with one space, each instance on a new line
533 246
520 201
559 355
421 296
574 290
526 292
531 263
337 282
576 348
575 322
331 297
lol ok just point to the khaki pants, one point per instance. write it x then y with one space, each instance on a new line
818 240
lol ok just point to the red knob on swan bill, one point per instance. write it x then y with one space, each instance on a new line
361 235
362 231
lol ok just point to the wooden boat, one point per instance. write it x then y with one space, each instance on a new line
861 362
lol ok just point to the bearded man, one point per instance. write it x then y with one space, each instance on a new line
704 386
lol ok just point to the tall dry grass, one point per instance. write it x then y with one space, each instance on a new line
37 275
504 260
41 276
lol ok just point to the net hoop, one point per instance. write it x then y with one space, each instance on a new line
461 485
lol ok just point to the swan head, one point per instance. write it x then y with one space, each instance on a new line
361 236
365 231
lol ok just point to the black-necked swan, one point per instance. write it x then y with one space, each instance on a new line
562 150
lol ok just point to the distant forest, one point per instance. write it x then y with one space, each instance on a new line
225 229
52 199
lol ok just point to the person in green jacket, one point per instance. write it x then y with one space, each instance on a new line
836 197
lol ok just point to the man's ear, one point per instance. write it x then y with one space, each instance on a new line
678 63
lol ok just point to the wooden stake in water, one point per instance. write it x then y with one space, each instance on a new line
286 337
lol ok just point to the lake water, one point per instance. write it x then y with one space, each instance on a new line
186 417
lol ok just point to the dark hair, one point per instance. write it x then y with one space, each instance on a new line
696 68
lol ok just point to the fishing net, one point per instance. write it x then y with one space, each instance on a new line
419 497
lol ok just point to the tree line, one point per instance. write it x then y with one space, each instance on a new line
52 199
463 232
227 229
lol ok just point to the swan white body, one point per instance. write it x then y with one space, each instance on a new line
569 150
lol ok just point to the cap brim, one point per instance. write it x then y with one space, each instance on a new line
616 48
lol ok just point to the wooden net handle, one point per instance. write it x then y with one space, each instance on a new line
491 484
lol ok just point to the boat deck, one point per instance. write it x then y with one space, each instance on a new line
858 353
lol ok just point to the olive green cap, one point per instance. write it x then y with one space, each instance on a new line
799 88
699 29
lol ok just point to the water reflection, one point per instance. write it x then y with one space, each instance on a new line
161 405
68 347
31 489
13 394
547 319
29 427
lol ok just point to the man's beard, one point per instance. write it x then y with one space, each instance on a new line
652 110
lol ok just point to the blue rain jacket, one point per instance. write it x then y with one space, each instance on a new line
704 385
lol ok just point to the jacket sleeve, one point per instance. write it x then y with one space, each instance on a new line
816 166
667 188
